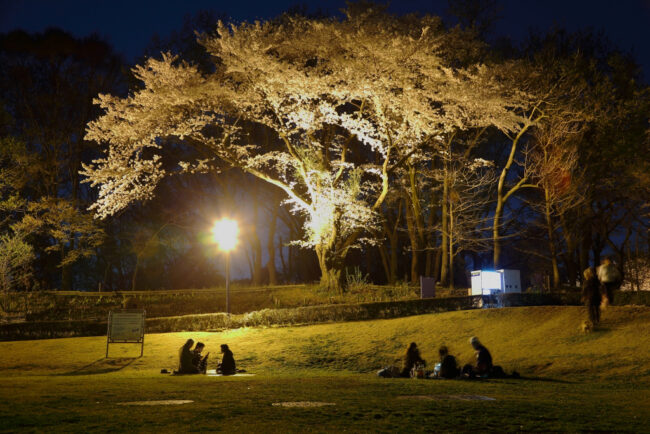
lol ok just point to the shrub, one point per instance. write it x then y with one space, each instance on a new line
265 317
356 281
638 298
163 309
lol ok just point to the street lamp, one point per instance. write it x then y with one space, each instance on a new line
224 233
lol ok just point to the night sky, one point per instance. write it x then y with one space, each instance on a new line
129 25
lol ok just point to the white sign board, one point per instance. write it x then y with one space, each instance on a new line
126 327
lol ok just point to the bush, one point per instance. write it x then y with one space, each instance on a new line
51 329
265 317
573 298
637 298
542 299
53 306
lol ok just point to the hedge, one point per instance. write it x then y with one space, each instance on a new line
300 315
74 305
265 317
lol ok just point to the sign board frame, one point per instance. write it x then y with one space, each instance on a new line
126 327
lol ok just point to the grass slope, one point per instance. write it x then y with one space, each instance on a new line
534 340
596 381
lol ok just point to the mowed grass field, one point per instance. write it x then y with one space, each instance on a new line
572 381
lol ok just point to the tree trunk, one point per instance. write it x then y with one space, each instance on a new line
331 267
390 251
256 246
585 244
570 263
428 258
570 255
502 196
597 246
290 254
415 223
285 270
66 273
331 257
273 279
550 227
444 217
135 271
383 254
496 237
415 248
431 242
451 246
436 264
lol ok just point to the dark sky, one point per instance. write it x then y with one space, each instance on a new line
129 25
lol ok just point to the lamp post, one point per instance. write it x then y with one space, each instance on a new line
224 233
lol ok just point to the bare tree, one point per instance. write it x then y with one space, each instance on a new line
469 183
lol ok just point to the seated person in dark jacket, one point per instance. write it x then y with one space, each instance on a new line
198 360
411 358
483 358
448 367
185 355
227 365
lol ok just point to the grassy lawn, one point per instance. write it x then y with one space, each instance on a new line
574 382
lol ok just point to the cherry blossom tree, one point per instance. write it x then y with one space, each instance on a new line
347 101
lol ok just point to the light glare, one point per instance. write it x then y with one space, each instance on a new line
224 233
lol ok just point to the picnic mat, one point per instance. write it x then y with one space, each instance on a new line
213 373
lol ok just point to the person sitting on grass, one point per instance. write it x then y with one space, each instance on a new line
448 366
185 355
411 358
227 365
483 366
198 360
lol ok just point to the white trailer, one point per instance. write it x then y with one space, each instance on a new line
490 282
511 281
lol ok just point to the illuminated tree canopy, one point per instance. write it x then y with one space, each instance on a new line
345 102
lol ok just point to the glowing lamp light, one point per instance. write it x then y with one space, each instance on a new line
224 233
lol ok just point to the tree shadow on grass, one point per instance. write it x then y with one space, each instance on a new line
102 366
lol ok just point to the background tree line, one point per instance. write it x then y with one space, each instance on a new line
405 146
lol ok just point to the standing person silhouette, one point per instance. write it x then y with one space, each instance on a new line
610 277
591 295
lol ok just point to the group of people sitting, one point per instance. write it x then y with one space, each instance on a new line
447 367
192 360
